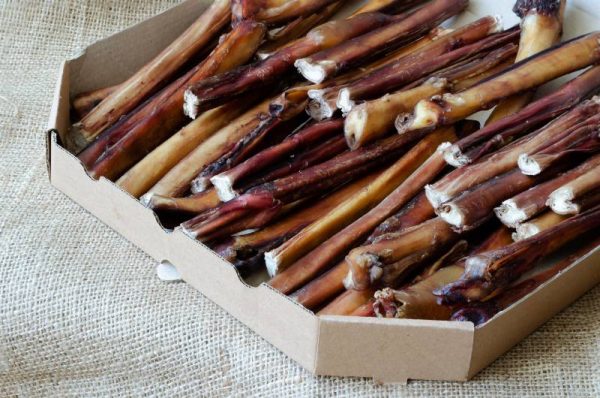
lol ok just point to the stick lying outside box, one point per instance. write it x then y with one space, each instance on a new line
388 350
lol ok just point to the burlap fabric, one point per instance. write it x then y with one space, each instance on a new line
82 313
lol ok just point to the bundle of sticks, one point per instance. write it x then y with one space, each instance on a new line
338 156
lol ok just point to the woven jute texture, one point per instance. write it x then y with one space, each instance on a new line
83 314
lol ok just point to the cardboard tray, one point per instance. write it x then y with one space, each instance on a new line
388 350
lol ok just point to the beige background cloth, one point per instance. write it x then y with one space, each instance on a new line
83 314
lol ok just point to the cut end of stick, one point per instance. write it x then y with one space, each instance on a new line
528 165
452 214
224 187
271 263
319 109
313 72
561 201
188 232
435 197
354 126
344 102
426 115
510 214
453 155
190 104
524 231
147 198
76 139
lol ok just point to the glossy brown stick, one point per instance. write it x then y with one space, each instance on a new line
327 63
323 102
487 273
417 300
226 182
165 115
348 302
580 140
529 203
414 213
368 263
85 102
372 119
474 207
148 171
275 12
506 159
176 182
480 313
131 93
279 38
502 131
194 204
564 199
533 227
447 50
223 88
541 28
525 75
354 219
281 231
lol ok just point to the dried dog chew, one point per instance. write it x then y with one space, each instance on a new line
137 88
525 75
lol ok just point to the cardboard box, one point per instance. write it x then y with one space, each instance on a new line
387 350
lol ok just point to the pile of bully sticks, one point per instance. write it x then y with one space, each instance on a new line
337 155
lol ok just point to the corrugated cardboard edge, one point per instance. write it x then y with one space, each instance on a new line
511 326
390 351
394 350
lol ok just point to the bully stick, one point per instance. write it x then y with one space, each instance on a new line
533 201
264 197
541 28
480 313
325 64
323 102
176 182
279 232
131 93
325 287
345 163
491 272
166 117
148 171
194 204
400 250
348 302
506 159
537 225
417 301
290 255
582 139
564 199
440 54
275 12
268 131
388 6
227 180
417 211
372 119
85 102
280 37
498 133
320 153
470 209
525 75
223 88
